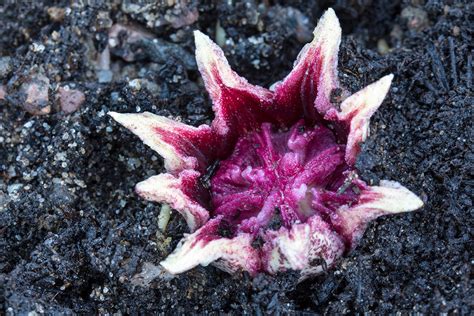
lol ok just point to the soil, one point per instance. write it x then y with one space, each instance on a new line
73 235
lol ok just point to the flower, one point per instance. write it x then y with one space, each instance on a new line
271 185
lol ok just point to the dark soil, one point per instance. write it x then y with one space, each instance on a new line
72 232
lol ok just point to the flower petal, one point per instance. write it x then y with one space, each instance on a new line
182 146
308 247
205 246
388 198
307 89
184 193
356 111
238 105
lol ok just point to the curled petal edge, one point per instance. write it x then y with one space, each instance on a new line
201 249
390 197
179 192
356 112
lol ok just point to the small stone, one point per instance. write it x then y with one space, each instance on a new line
3 92
56 14
135 84
103 20
126 35
187 17
133 163
456 30
37 99
104 76
382 46
14 188
55 35
138 84
5 66
70 99
37 48
417 19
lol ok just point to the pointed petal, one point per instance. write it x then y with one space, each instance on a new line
308 247
356 111
238 105
307 89
360 107
182 146
184 193
388 198
205 247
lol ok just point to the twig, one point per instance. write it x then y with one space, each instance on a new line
469 71
452 56
438 68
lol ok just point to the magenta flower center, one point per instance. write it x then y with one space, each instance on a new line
277 178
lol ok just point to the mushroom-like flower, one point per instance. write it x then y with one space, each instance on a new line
271 184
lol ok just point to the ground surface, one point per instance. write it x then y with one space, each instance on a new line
72 232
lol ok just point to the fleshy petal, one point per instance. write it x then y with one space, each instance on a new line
184 193
308 247
356 111
388 198
182 146
238 105
307 89
205 246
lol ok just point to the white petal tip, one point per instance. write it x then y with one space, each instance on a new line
328 25
204 44
385 82
199 35
405 200
129 120
115 115
168 266
329 14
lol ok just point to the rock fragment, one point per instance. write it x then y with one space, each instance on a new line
132 43
70 99
3 92
416 18
36 93
5 66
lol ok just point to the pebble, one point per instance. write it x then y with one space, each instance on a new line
6 66
14 188
56 14
382 46
416 18
38 48
70 99
104 76
36 90
3 92
456 30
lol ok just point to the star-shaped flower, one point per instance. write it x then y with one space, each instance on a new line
271 184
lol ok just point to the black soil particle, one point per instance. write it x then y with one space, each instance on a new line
225 230
73 233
